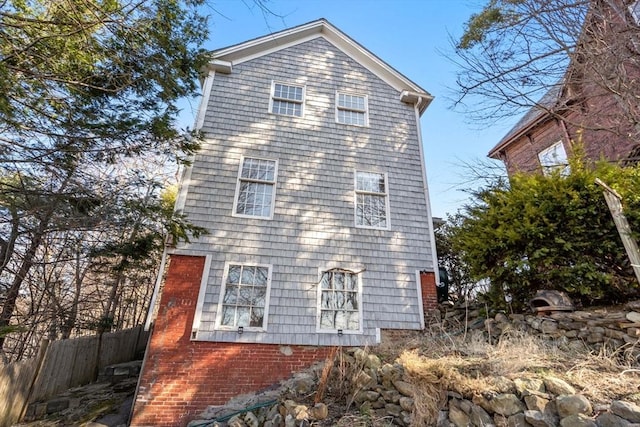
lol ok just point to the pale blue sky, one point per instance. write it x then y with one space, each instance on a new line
408 35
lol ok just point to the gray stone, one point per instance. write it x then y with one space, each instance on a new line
607 419
364 381
466 406
378 403
406 418
443 419
577 420
573 405
483 402
320 411
626 410
538 419
506 404
548 327
303 383
373 362
406 403
458 417
503 385
535 403
480 417
524 386
404 387
517 420
251 420
391 396
633 317
364 396
236 421
558 386
289 421
393 409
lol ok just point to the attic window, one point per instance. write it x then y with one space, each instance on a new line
352 109
554 158
287 100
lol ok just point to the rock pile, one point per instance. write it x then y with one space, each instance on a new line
611 327
544 402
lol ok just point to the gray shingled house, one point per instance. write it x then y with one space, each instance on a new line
312 184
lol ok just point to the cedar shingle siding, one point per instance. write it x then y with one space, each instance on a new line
313 225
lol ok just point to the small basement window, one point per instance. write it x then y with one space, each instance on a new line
340 301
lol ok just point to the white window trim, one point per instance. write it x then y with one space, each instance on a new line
634 11
204 281
272 97
218 324
365 111
358 272
546 169
240 179
386 200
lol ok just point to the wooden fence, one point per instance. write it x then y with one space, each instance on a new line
61 365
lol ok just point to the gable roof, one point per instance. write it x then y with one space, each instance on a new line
536 114
223 59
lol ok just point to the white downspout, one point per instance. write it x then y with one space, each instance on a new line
432 237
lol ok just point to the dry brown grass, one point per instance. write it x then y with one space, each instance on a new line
470 364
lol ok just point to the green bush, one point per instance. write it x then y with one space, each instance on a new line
551 232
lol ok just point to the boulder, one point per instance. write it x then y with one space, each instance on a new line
557 386
573 405
524 386
458 417
626 410
517 420
577 420
506 404
320 411
404 387
480 417
406 403
607 419
536 403
538 419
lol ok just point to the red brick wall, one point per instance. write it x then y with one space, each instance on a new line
180 378
429 292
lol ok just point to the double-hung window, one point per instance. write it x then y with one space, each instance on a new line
255 193
287 99
371 200
352 109
340 301
244 297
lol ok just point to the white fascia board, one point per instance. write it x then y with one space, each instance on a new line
255 48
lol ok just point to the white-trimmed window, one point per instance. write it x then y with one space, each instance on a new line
256 189
244 297
553 158
371 200
634 10
352 109
287 99
340 301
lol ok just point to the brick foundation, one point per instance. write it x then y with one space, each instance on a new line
429 291
180 377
